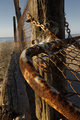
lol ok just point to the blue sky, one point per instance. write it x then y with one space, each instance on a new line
6 17
72 10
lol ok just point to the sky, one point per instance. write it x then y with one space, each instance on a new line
72 10
7 12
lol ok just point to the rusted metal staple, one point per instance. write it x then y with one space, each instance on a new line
40 86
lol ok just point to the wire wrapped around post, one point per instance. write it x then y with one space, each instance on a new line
40 86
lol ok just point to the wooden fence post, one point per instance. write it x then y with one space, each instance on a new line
17 9
18 15
14 28
48 11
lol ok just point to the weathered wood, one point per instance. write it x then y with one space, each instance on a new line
14 28
45 12
19 26
17 9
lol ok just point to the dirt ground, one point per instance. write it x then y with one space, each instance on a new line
6 49
12 84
